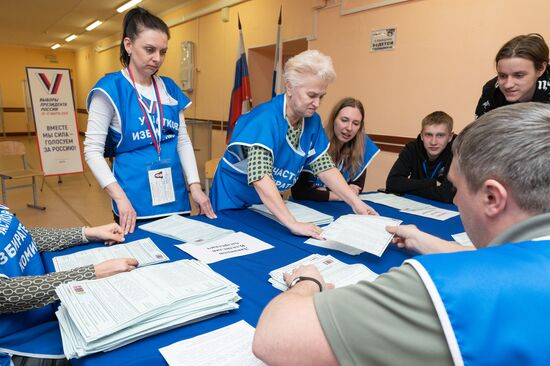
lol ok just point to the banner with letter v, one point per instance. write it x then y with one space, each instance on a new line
55 120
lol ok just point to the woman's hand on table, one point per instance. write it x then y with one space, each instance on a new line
201 201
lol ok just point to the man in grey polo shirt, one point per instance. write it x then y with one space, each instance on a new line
476 307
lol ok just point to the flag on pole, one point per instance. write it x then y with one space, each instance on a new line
241 102
277 87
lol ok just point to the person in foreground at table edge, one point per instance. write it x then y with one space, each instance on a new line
350 148
137 117
488 306
522 74
273 143
423 164
27 325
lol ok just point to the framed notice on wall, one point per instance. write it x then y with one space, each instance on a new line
53 108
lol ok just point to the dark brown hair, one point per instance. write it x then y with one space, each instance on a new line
529 46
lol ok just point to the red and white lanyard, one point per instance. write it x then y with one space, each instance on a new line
154 136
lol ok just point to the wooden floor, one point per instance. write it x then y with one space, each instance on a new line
72 200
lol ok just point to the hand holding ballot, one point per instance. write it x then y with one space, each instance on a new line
114 266
310 271
109 234
411 238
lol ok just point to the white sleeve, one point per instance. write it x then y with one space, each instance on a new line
100 117
186 153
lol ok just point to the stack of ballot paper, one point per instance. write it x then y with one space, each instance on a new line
409 206
354 234
101 315
143 250
300 212
333 271
184 229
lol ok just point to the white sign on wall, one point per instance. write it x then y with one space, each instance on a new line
55 120
383 39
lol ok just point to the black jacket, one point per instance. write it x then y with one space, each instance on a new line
408 175
492 98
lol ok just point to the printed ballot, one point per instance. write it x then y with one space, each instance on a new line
230 246
144 251
333 271
185 229
103 314
233 345
300 212
409 206
354 234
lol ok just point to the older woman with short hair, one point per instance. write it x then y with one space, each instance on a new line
273 143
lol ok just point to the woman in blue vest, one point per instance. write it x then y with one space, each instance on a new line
273 143
350 149
137 117
28 328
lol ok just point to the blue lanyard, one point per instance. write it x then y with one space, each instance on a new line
434 171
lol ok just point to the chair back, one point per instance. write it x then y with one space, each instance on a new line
210 168
10 148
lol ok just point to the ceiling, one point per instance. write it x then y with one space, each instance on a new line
42 23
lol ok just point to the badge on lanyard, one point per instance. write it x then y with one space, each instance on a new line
159 172
160 183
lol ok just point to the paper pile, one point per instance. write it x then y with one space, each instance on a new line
333 271
300 212
354 234
101 315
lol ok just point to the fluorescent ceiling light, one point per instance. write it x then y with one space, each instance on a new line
55 46
94 25
128 5
71 37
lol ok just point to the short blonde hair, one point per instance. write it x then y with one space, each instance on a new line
310 62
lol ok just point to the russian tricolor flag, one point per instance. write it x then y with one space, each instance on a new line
241 101
277 86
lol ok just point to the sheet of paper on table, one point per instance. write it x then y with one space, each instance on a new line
144 251
409 206
463 239
229 246
227 346
185 229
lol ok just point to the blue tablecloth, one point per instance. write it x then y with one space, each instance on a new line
250 272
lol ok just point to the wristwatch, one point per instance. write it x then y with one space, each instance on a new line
304 278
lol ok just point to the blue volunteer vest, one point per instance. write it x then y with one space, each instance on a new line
370 152
265 126
493 303
34 332
134 150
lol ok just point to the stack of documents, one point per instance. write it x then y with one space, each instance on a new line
409 206
333 271
300 212
354 234
143 250
101 315
184 229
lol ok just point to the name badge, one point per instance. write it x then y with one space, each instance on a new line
160 183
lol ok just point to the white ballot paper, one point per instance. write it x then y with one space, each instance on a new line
300 212
230 246
143 250
409 206
463 239
227 346
104 314
435 213
334 245
333 271
184 229
364 232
